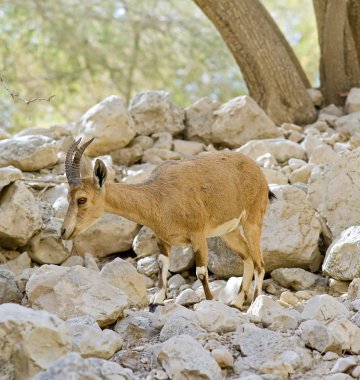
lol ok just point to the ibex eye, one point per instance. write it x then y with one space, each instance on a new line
81 201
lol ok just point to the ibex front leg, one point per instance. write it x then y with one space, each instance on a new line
164 262
201 256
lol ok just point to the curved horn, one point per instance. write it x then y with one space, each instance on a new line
75 166
68 164
72 165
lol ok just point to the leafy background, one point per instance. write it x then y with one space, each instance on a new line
84 51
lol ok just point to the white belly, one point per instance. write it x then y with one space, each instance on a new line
224 228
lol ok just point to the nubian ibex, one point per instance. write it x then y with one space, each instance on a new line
184 202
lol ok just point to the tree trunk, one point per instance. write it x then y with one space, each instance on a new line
269 66
339 60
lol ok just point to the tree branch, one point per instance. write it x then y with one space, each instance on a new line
17 96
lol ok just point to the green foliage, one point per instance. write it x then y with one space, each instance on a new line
84 51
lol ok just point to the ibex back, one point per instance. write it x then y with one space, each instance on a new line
184 202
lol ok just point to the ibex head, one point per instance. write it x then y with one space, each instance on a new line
86 196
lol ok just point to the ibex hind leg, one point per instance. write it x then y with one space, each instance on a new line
238 244
253 235
164 263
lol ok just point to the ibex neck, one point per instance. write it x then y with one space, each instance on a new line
133 202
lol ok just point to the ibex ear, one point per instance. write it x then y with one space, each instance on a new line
100 173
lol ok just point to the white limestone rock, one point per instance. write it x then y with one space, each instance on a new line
20 216
352 103
187 297
294 278
28 153
334 191
47 247
199 118
181 363
270 312
275 177
259 346
316 335
125 277
110 234
324 307
74 367
145 243
8 175
354 289
342 259
280 148
214 316
347 333
90 340
154 111
110 123
181 259
31 341
188 148
291 231
70 292
240 120
348 125
18 264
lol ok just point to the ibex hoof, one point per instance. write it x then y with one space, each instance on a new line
152 307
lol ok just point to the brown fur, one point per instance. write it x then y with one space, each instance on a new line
182 201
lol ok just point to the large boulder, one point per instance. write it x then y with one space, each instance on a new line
110 234
74 367
291 231
110 123
324 307
334 191
199 118
8 175
182 363
124 276
70 292
20 216
28 153
31 341
342 260
240 120
154 111
47 247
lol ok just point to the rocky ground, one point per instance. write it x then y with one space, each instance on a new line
78 310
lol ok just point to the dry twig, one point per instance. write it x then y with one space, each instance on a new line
16 95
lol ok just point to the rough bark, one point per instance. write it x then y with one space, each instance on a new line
339 61
269 66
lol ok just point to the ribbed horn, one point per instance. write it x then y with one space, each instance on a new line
75 167
68 164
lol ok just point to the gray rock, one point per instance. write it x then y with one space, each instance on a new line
153 111
74 367
31 341
180 363
294 278
180 324
187 297
324 307
181 259
354 289
70 292
9 291
20 216
28 153
352 103
316 335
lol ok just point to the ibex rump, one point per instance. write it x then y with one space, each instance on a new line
213 194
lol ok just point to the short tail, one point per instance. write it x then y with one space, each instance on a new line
271 196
